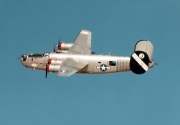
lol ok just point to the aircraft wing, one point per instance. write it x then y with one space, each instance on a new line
82 44
70 66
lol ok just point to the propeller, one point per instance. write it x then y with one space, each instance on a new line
59 44
54 49
47 68
46 71
57 47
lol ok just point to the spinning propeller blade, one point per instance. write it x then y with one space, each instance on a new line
46 71
54 49
59 44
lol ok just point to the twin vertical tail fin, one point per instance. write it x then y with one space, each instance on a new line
141 60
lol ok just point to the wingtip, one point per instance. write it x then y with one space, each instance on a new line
85 31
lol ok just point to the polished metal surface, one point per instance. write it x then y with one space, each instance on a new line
77 58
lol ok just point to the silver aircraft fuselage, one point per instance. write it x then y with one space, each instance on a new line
97 64
76 57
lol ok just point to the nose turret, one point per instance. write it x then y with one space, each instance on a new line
34 61
24 59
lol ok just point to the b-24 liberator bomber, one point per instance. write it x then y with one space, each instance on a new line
71 58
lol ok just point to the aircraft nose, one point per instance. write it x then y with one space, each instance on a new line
22 56
23 59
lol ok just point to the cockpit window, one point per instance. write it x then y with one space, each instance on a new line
112 63
36 55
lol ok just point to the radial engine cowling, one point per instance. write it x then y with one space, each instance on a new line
54 65
64 46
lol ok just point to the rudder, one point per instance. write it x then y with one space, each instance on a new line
141 59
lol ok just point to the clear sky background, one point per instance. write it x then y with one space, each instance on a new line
34 26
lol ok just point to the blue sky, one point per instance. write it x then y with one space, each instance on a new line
27 98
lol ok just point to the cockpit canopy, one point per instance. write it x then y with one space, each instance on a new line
24 57
36 55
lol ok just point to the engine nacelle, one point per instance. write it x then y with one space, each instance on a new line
53 68
64 46
61 51
55 61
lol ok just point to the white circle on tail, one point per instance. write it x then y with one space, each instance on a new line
141 56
